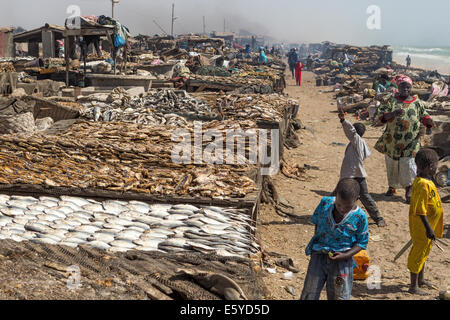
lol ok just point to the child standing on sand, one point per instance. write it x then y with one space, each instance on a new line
341 232
353 165
426 217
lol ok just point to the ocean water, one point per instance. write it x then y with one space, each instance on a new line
433 58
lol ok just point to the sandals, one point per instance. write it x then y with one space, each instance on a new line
287 263
391 191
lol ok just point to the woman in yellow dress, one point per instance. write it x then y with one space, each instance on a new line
426 217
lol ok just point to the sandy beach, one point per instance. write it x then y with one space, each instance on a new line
289 236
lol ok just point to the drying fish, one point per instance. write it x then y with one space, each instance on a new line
210 230
180 243
87 228
200 247
37 207
159 213
99 245
122 244
12 211
5 220
95 207
47 217
148 243
46 198
139 208
69 204
140 225
75 240
49 236
119 222
69 244
59 211
44 240
113 208
169 223
75 200
187 207
101 236
48 204
19 204
160 207
177 217
113 228
211 221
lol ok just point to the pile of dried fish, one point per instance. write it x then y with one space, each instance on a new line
165 107
249 106
121 157
177 108
118 226
213 71
231 81
7 67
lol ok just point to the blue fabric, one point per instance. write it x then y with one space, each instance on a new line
262 57
352 231
338 275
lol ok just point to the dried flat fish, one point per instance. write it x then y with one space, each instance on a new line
12 211
122 244
99 245
80 202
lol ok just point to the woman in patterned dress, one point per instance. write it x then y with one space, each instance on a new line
400 141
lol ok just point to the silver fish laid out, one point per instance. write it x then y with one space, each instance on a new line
94 207
114 209
185 207
12 211
118 226
99 245
69 244
37 207
101 236
181 211
44 241
37 227
122 244
139 208
19 204
160 207
159 213
69 204
75 200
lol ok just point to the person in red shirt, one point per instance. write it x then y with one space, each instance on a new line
298 73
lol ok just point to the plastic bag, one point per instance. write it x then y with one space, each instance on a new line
119 41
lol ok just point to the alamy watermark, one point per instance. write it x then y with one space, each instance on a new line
74 279
231 146
374 20
73 21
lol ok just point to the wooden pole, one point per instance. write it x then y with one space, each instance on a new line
66 56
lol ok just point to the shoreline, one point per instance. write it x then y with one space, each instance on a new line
424 67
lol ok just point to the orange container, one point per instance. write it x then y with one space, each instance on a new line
362 260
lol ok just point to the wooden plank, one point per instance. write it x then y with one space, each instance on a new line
88 32
201 88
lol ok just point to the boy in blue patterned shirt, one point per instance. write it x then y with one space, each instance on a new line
341 232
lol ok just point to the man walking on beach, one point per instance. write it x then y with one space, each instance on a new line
408 61
292 61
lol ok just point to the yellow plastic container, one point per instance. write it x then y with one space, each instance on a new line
362 260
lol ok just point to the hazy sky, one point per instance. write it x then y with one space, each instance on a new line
403 22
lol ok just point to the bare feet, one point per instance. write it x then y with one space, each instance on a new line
427 284
417 290
381 223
